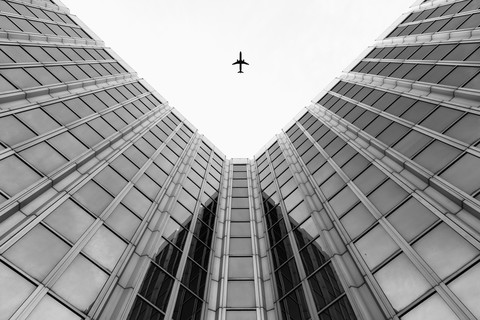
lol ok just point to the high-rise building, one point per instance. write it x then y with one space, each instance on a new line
113 206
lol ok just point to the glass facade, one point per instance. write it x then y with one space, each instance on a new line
366 206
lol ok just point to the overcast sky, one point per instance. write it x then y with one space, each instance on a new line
185 50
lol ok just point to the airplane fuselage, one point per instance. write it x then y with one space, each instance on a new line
240 62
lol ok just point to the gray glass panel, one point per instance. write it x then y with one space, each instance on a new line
466 288
387 196
43 157
105 248
240 229
240 294
411 218
357 220
433 308
436 156
137 202
445 250
69 220
240 246
462 130
401 282
464 173
37 252
68 145
51 309
16 175
240 267
376 246
93 197
19 78
80 283
123 221
38 120
13 131
13 292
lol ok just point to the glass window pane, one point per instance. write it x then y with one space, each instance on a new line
13 292
38 120
157 287
433 308
123 221
86 135
436 156
105 248
17 53
69 220
343 201
411 218
187 306
93 197
294 306
16 175
37 252
110 180
240 229
444 250
369 179
13 131
240 294
19 78
387 196
441 119
240 215
464 173
68 145
51 309
467 289
401 282
43 157
241 315
61 113
376 246
299 214
357 220
42 75
240 246
462 130
137 202
240 267
412 143
7 24
80 283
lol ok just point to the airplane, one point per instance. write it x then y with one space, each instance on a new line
240 62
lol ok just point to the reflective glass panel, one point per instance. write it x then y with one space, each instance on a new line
13 291
51 309
80 283
376 246
70 220
467 289
240 294
123 221
37 252
157 287
433 308
105 248
401 282
411 218
444 250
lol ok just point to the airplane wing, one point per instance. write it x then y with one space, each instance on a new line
246 63
236 62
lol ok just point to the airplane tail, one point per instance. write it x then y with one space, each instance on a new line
240 72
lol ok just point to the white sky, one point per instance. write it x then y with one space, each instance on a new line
185 50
